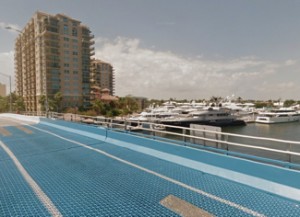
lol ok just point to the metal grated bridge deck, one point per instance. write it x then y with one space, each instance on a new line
86 176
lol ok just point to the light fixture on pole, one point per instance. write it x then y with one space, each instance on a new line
12 28
10 98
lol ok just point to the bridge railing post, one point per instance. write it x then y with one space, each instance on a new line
289 148
184 136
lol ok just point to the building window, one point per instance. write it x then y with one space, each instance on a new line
74 32
66 29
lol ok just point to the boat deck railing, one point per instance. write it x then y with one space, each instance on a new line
279 152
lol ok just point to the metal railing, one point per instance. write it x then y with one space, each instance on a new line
284 153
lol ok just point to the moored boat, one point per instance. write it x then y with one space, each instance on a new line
207 117
278 116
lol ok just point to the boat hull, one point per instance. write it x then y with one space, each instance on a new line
220 123
263 120
278 116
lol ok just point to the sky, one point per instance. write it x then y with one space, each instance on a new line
181 49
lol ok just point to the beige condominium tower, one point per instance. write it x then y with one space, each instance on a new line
102 75
53 54
2 90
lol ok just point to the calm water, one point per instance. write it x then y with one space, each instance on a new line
285 131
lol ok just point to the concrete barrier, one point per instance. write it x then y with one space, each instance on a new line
18 117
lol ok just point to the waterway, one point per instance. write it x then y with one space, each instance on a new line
282 131
285 131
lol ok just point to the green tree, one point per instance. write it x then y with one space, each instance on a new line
289 102
18 104
128 105
57 99
215 99
98 106
4 107
113 112
13 100
239 99
42 102
261 104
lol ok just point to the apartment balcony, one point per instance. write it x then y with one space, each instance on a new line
91 42
86 32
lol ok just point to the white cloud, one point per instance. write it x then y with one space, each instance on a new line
162 74
290 62
283 90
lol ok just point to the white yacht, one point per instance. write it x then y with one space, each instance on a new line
143 117
152 117
208 117
278 116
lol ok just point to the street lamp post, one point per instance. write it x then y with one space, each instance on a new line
10 98
12 28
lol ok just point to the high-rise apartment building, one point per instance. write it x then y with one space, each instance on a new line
2 90
102 75
53 54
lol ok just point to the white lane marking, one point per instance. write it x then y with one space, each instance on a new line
211 196
45 200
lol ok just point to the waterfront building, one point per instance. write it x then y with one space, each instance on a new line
102 75
53 54
106 96
2 90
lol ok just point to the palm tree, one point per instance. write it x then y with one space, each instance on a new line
98 106
128 105
42 101
239 99
19 104
57 100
